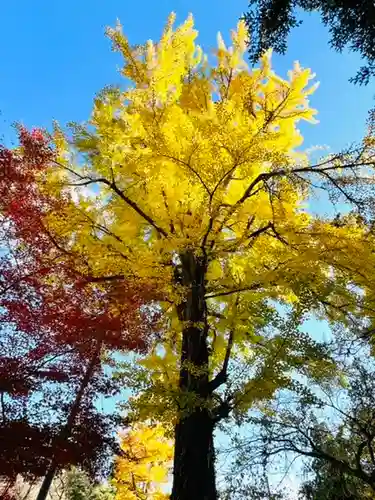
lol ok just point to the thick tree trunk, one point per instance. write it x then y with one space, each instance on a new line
66 431
194 469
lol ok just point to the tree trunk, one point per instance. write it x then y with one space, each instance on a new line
46 484
194 469
66 431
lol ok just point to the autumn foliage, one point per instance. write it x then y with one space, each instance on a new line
55 324
201 189
145 463
196 219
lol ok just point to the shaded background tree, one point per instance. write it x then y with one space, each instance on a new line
331 431
351 24
79 486
328 482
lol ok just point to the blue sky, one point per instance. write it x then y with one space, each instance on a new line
55 57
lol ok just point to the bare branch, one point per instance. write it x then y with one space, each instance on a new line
255 286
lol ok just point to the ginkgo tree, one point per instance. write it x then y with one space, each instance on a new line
200 188
145 464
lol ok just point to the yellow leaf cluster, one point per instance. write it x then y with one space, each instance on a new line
144 467
203 158
169 159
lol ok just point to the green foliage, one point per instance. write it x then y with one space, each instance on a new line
332 431
330 483
351 24
79 487
102 492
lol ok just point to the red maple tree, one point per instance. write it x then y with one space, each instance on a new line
55 325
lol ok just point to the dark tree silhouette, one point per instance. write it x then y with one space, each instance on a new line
351 24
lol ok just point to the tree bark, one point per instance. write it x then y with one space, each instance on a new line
194 468
66 431
46 484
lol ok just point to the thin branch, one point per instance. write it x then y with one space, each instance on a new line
135 207
235 245
98 279
346 195
171 225
187 164
65 167
318 452
121 194
256 286
313 169
3 407
83 183
222 376
370 449
358 455
223 177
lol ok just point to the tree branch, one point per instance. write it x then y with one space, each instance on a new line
313 169
256 286
121 194
222 376
3 407
134 206
187 164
